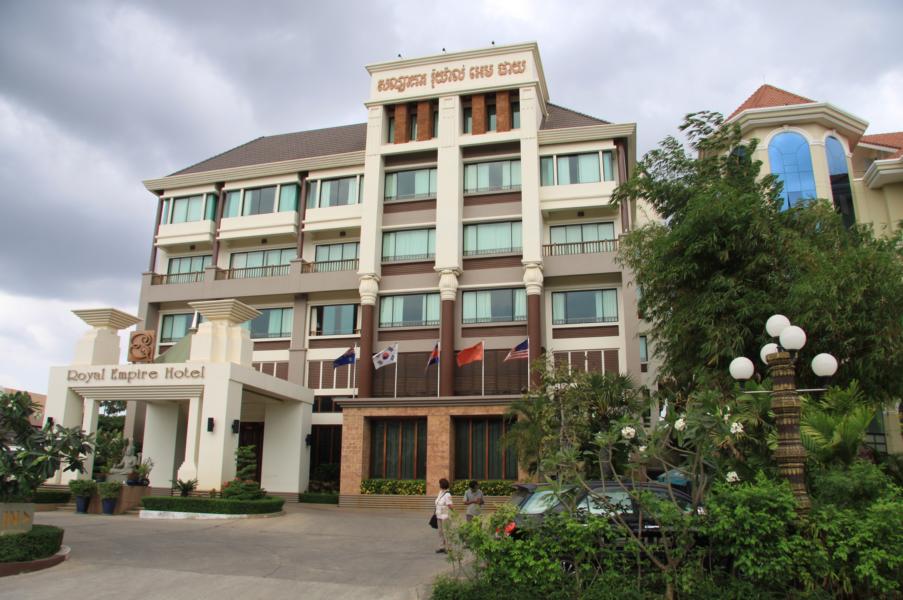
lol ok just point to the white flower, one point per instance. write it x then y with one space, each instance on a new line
680 424
628 432
727 417
736 427
642 448
732 477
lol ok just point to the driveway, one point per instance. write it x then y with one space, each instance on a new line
312 552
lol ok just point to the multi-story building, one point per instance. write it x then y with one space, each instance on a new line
467 209
821 151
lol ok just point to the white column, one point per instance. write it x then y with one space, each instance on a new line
449 186
100 345
89 409
286 456
160 432
820 170
371 205
216 449
189 468
531 216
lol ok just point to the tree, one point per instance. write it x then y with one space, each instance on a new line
29 455
833 426
727 257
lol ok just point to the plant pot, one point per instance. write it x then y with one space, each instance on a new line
81 503
109 505
133 482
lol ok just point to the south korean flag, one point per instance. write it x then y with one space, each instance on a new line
384 357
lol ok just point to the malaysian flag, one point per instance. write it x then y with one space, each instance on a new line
519 352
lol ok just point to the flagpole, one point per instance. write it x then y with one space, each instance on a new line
353 369
528 365
439 372
483 368
396 371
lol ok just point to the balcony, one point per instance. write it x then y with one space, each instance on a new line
177 278
576 196
275 226
254 272
330 266
580 248
580 258
332 217
180 234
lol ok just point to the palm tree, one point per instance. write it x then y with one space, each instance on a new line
834 426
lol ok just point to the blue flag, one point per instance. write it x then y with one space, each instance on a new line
346 359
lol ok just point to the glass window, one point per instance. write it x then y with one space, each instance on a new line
188 264
210 211
390 128
339 319
188 209
409 244
175 327
262 258
468 120
644 350
584 306
490 116
579 168
398 448
272 323
515 115
494 306
582 238
233 203
259 201
840 180
412 119
288 197
791 162
312 197
608 165
492 176
435 122
410 185
547 170
336 252
479 450
492 238
338 192
411 310
164 212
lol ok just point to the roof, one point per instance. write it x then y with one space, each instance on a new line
339 140
768 96
891 140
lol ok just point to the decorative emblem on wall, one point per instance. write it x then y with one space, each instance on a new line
141 346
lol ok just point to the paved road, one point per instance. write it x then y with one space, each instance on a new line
312 552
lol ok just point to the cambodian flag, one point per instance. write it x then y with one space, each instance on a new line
434 356
346 359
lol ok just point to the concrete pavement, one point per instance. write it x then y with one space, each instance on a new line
312 552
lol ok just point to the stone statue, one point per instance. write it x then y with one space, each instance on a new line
128 464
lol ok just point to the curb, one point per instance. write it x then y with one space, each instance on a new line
15 568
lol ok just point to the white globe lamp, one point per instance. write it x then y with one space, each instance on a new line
792 338
766 350
741 368
776 324
824 365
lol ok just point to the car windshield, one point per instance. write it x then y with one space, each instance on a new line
540 502
606 502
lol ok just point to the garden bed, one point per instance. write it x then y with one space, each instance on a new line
19 550
178 507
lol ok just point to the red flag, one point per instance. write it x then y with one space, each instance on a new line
469 355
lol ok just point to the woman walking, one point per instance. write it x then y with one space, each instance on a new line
443 504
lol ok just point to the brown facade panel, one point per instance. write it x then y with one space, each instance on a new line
400 335
414 379
478 199
578 361
478 108
280 345
425 205
503 110
282 370
500 377
493 262
313 374
402 128
562 333
611 361
424 120
408 268
594 361
490 150
493 331
334 343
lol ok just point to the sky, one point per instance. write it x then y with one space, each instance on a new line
96 96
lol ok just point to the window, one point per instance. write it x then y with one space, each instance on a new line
492 238
608 165
515 115
325 404
335 253
479 450
547 170
188 264
233 204
411 185
175 327
840 180
468 120
263 258
492 124
410 244
791 162
338 319
579 168
259 201
492 176
412 120
288 197
494 306
644 350
582 238
188 209
398 448
312 195
584 306
390 128
435 122
333 192
272 323
412 310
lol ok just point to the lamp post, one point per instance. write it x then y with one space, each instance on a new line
780 359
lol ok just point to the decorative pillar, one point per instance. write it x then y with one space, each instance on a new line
100 345
89 425
621 145
439 451
302 212
503 111
790 454
160 437
153 255
533 280
424 120
478 113
217 218
369 291
448 294
221 338
189 468
402 130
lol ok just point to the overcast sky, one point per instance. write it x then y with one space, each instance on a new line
96 96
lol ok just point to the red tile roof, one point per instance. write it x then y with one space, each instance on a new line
767 96
892 140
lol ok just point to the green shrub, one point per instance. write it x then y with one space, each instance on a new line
490 487
316 498
398 487
220 506
51 497
83 487
109 490
42 541
238 489
854 487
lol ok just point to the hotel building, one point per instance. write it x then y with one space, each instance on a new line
467 208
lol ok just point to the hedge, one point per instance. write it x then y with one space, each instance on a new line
315 498
42 541
490 487
221 506
51 497
398 487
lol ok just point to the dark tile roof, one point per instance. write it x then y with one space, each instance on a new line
338 140
892 140
768 96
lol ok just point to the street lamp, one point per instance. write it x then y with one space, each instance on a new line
785 401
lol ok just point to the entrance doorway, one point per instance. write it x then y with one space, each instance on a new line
251 434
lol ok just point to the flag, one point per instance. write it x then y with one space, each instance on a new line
384 357
469 355
346 359
519 352
434 356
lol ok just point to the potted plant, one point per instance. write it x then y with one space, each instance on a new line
109 494
82 489
143 470
186 487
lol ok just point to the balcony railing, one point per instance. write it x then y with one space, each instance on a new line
584 320
254 272
408 257
493 251
330 266
413 323
319 332
489 189
160 279
597 247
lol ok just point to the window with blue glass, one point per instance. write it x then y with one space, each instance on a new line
840 180
791 162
